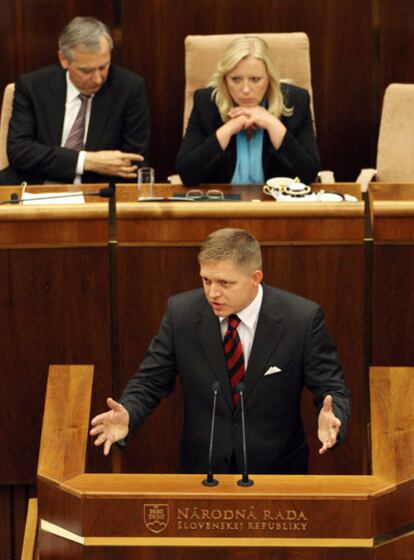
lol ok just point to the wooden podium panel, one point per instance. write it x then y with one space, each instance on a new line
55 303
102 516
392 211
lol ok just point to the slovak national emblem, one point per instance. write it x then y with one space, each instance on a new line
156 517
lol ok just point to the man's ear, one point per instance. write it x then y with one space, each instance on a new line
257 276
63 60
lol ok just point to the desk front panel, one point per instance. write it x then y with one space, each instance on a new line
392 210
55 306
54 310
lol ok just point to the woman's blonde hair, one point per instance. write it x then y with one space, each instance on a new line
239 49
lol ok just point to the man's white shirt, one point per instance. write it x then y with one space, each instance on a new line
249 317
72 106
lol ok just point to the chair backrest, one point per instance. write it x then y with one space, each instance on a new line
395 161
290 53
6 111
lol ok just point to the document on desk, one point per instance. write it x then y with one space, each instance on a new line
52 198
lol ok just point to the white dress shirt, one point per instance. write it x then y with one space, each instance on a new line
72 106
249 317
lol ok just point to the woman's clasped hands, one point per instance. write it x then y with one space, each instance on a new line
252 117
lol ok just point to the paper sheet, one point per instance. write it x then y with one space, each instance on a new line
53 198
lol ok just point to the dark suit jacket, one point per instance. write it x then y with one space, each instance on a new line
291 334
201 159
119 120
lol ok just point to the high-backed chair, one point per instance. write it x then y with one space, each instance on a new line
290 53
395 148
6 110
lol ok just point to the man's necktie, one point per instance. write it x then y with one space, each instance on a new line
233 352
75 139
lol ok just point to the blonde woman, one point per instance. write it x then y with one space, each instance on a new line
246 126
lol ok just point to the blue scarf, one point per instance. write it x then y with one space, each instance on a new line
249 167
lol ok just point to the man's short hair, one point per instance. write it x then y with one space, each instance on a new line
85 32
237 245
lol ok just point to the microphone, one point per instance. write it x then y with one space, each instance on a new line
245 480
210 480
105 192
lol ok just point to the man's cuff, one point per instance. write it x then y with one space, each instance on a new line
81 162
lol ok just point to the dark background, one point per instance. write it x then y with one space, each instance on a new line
357 49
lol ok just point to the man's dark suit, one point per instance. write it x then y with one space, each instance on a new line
201 159
119 121
291 335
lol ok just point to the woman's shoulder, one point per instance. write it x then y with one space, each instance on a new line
203 95
292 93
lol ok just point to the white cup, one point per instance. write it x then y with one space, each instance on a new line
145 182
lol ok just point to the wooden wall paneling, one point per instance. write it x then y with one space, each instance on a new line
13 507
342 60
29 31
20 496
393 297
341 51
357 49
333 277
396 55
5 523
153 46
54 309
151 274
10 66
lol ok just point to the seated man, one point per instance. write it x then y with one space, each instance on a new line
85 120
236 330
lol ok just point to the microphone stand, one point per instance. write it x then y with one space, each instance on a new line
245 480
113 315
210 480
113 288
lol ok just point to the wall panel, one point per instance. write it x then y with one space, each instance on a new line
357 48
340 65
396 54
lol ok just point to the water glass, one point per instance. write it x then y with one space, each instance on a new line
145 182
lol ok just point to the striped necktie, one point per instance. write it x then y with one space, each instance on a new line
76 135
233 352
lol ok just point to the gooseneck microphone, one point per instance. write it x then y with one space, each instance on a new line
245 480
105 192
210 480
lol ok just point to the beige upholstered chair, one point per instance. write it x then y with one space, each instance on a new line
6 110
290 53
395 161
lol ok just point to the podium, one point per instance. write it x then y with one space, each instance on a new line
165 516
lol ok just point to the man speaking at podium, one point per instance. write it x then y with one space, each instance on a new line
83 120
237 329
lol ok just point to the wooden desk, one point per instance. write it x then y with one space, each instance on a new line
392 211
55 303
175 517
